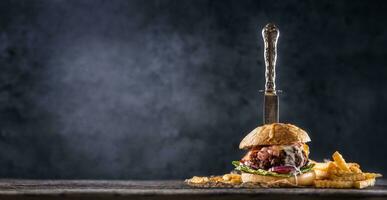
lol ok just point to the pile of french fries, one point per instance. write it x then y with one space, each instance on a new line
340 174
230 179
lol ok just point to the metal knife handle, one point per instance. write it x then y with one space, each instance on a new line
270 34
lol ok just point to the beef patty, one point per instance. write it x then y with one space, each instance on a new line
265 157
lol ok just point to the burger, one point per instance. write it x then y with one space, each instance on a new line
276 152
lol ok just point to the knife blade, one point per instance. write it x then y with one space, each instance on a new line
270 34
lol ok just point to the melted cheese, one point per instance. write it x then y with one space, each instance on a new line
290 159
305 147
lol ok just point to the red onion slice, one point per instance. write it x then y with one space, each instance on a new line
282 169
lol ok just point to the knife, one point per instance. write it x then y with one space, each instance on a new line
270 34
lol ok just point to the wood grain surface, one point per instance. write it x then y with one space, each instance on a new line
171 189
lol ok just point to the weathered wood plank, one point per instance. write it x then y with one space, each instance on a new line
102 189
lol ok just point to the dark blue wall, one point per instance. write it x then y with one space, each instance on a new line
167 89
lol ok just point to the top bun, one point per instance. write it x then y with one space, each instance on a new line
274 134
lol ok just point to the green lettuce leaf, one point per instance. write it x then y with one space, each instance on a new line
263 172
307 168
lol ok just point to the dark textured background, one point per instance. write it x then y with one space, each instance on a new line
167 89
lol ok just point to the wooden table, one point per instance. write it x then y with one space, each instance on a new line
101 189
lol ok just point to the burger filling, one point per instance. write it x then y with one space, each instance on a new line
276 159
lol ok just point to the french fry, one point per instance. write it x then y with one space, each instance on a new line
364 183
372 175
333 184
353 165
355 169
216 179
349 177
339 160
232 177
321 174
198 180
320 166
235 182
334 169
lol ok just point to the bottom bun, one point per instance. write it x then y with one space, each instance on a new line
300 180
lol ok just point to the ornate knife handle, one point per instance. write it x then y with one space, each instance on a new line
270 34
